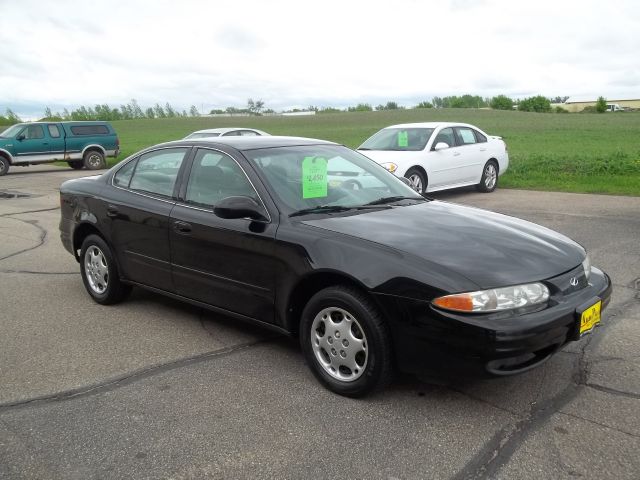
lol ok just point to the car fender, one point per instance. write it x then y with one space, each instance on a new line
93 146
7 154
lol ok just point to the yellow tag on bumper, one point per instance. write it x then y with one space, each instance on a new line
590 318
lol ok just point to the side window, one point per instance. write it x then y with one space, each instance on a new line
445 135
53 131
465 136
215 176
248 133
123 176
156 172
480 138
232 133
34 132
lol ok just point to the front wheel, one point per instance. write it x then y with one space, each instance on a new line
346 341
418 179
94 160
4 166
100 272
489 179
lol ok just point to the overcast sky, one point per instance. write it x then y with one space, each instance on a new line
295 53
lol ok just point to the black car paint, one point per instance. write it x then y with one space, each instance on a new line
404 256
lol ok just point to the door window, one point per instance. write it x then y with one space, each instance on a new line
157 171
445 135
33 132
466 136
214 176
53 131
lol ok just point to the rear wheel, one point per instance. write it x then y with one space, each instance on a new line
4 166
489 179
346 341
418 179
100 272
76 164
93 160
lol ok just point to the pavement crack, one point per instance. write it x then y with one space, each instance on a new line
635 435
482 400
30 211
43 236
612 391
136 376
32 272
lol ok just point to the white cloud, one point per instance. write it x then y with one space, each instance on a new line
296 53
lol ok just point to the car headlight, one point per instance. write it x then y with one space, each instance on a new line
496 299
392 167
586 264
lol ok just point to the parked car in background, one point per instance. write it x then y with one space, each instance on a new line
226 132
81 144
367 278
614 107
437 155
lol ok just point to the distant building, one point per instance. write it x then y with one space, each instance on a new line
577 103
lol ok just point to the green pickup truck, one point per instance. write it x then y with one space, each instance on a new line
80 144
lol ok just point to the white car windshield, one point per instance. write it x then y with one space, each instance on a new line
398 139
327 176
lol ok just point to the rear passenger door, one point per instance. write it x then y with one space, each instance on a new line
227 263
138 209
56 140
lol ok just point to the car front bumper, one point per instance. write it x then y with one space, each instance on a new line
431 341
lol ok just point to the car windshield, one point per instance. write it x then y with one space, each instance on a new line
329 177
11 131
203 135
398 139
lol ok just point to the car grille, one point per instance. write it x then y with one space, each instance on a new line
569 282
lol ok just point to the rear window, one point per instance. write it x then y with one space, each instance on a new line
89 130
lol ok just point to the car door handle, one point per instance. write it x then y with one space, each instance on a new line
455 154
182 227
483 149
112 211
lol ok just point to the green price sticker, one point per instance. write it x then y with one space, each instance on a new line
314 177
403 139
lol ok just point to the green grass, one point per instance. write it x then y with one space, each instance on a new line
561 152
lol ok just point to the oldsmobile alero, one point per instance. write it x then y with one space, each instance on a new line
370 278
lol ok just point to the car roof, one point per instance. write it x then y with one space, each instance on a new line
224 130
431 125
252 143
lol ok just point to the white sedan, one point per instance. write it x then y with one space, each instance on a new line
438 155
226 132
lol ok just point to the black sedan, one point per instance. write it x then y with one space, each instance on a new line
369 274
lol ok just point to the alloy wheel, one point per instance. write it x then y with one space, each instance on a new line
96 269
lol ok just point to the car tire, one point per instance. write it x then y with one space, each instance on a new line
4 166
346 341
93 160
418 179
99 272
76 164
489 179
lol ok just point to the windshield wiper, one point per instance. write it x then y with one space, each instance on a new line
396 198
321 209
363 148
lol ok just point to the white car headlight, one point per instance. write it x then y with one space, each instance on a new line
496 299
392 167
586 264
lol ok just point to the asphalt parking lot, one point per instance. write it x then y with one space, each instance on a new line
153 388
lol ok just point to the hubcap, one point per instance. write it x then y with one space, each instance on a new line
339 344
416 182
490 176
2 167
96 270
95 160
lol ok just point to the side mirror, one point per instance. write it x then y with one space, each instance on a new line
406 181
20 137
239 207
440 146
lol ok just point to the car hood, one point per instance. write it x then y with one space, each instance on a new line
488 248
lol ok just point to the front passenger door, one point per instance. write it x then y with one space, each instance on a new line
222 262
444 164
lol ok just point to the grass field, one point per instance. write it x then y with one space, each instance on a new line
561 152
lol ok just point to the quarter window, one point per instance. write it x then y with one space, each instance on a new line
123 176
53 131
215 176
156 172
480 137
